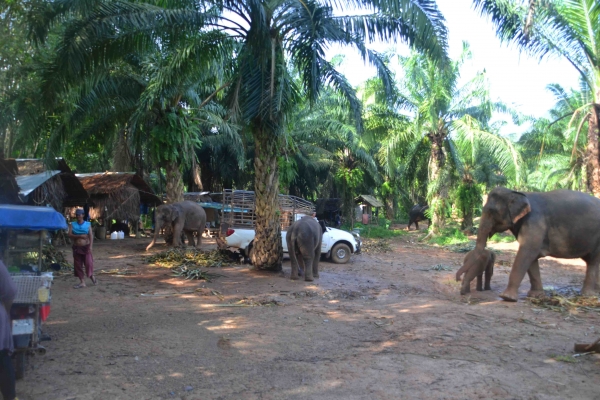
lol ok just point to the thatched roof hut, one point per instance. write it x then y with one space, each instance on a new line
57 186
117 195
9 190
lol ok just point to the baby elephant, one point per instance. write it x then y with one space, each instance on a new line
304 239
476 262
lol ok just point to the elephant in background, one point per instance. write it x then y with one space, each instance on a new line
304 239
560 223
476 263
417 214
185 216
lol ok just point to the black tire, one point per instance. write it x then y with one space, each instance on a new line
19 359
340 254
249 253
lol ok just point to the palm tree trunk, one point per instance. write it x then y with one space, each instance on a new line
440 194
467 222
174 182
267 251
593 154
121 154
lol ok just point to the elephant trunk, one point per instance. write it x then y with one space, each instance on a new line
470 274
485 229
465 287
157 227
460 272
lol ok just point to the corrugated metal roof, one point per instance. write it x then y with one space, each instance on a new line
29 183
371 200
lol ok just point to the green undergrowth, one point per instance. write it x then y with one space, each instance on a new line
502 238
449 236
378 232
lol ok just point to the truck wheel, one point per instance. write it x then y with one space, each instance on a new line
19 359
340 254
249 254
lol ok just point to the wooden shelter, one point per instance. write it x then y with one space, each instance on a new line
117 195
367 203
56 186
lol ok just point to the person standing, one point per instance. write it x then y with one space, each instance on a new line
80 232
8 291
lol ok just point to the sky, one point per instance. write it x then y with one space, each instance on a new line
515 78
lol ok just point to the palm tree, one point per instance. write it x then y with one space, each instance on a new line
555 148
150 91
327 153
569 29
438 107
271 36
482 160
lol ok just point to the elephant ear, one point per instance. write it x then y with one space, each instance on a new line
518 206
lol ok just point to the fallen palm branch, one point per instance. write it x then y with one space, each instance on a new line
117 271
440 267
189 258
194 273
248 303
556 302
54 260
460 247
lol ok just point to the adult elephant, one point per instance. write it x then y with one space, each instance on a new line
561 223
417 214
185 216
304 239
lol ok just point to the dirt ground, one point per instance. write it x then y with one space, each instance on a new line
383 326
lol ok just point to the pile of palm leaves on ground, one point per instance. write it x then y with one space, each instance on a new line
568 301
461 247
375 245
187 263
51 255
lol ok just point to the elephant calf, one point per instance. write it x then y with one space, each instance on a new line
304 239
476 263
185 216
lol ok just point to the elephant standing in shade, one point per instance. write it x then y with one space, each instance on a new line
417 214
304 239
477 263
561 223
185 216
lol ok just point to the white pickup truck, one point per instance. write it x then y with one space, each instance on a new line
337 244
238 219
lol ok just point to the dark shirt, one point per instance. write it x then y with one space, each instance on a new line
8 291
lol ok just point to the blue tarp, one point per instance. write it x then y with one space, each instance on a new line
31 218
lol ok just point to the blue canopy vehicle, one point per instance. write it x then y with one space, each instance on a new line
23 233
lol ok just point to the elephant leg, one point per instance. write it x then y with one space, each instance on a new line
293 261
591 281
315 263
480 282
176 235
417 225
489 271
523 261
190 236
535 278
308 267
